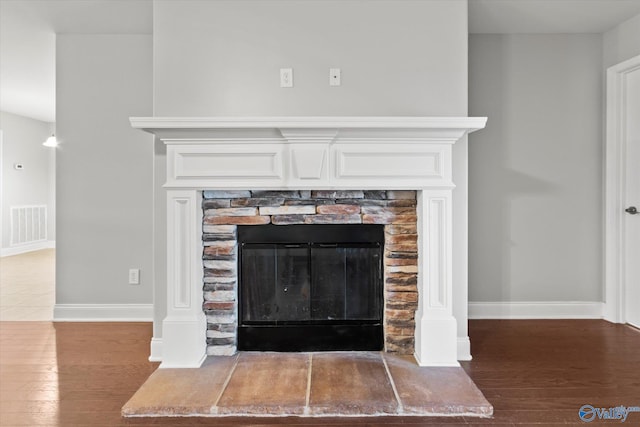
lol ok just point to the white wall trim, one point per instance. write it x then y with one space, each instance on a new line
103 313
536 310
615 187
156 350
23 249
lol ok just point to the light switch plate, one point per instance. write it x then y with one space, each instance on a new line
134 276
286 77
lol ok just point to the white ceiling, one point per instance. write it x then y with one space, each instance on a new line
28 28
549 16
28 43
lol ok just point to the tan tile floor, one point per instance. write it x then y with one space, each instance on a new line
309 384
27 286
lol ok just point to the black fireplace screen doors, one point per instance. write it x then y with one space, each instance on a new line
310 287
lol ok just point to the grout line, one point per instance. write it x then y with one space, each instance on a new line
227 381
308 397
393 384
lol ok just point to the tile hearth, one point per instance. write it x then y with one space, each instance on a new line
309 385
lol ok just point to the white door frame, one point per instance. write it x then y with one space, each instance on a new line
615 185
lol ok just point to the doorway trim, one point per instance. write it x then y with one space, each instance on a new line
615 185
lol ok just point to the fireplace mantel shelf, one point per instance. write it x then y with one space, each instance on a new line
309 153
157 124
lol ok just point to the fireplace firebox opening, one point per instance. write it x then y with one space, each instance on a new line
311 287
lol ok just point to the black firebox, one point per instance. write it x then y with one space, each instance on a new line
310 287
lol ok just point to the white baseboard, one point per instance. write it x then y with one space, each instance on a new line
23 249
156 350
536 310
103 313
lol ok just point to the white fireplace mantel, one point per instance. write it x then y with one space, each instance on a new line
460 124
319 153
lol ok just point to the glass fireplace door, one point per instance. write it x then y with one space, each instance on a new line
345 285
308 296
277 283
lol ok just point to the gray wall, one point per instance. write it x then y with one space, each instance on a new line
104 173
535 176
398 57
22 143
622 42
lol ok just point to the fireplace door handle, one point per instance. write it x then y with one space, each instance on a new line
632 210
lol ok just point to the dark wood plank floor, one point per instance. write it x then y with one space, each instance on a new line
533 372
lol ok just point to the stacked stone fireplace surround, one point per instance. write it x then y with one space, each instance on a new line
225 210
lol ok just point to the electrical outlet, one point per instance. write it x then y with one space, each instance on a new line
134 276
334 76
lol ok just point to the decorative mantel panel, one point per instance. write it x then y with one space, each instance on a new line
300 153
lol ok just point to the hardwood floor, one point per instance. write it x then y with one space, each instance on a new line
543 371
533 372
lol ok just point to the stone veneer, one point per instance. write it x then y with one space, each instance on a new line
224 210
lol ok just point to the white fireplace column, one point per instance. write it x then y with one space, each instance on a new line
434 318
309 153
185 326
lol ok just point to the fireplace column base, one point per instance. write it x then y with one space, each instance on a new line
183 343
443 333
